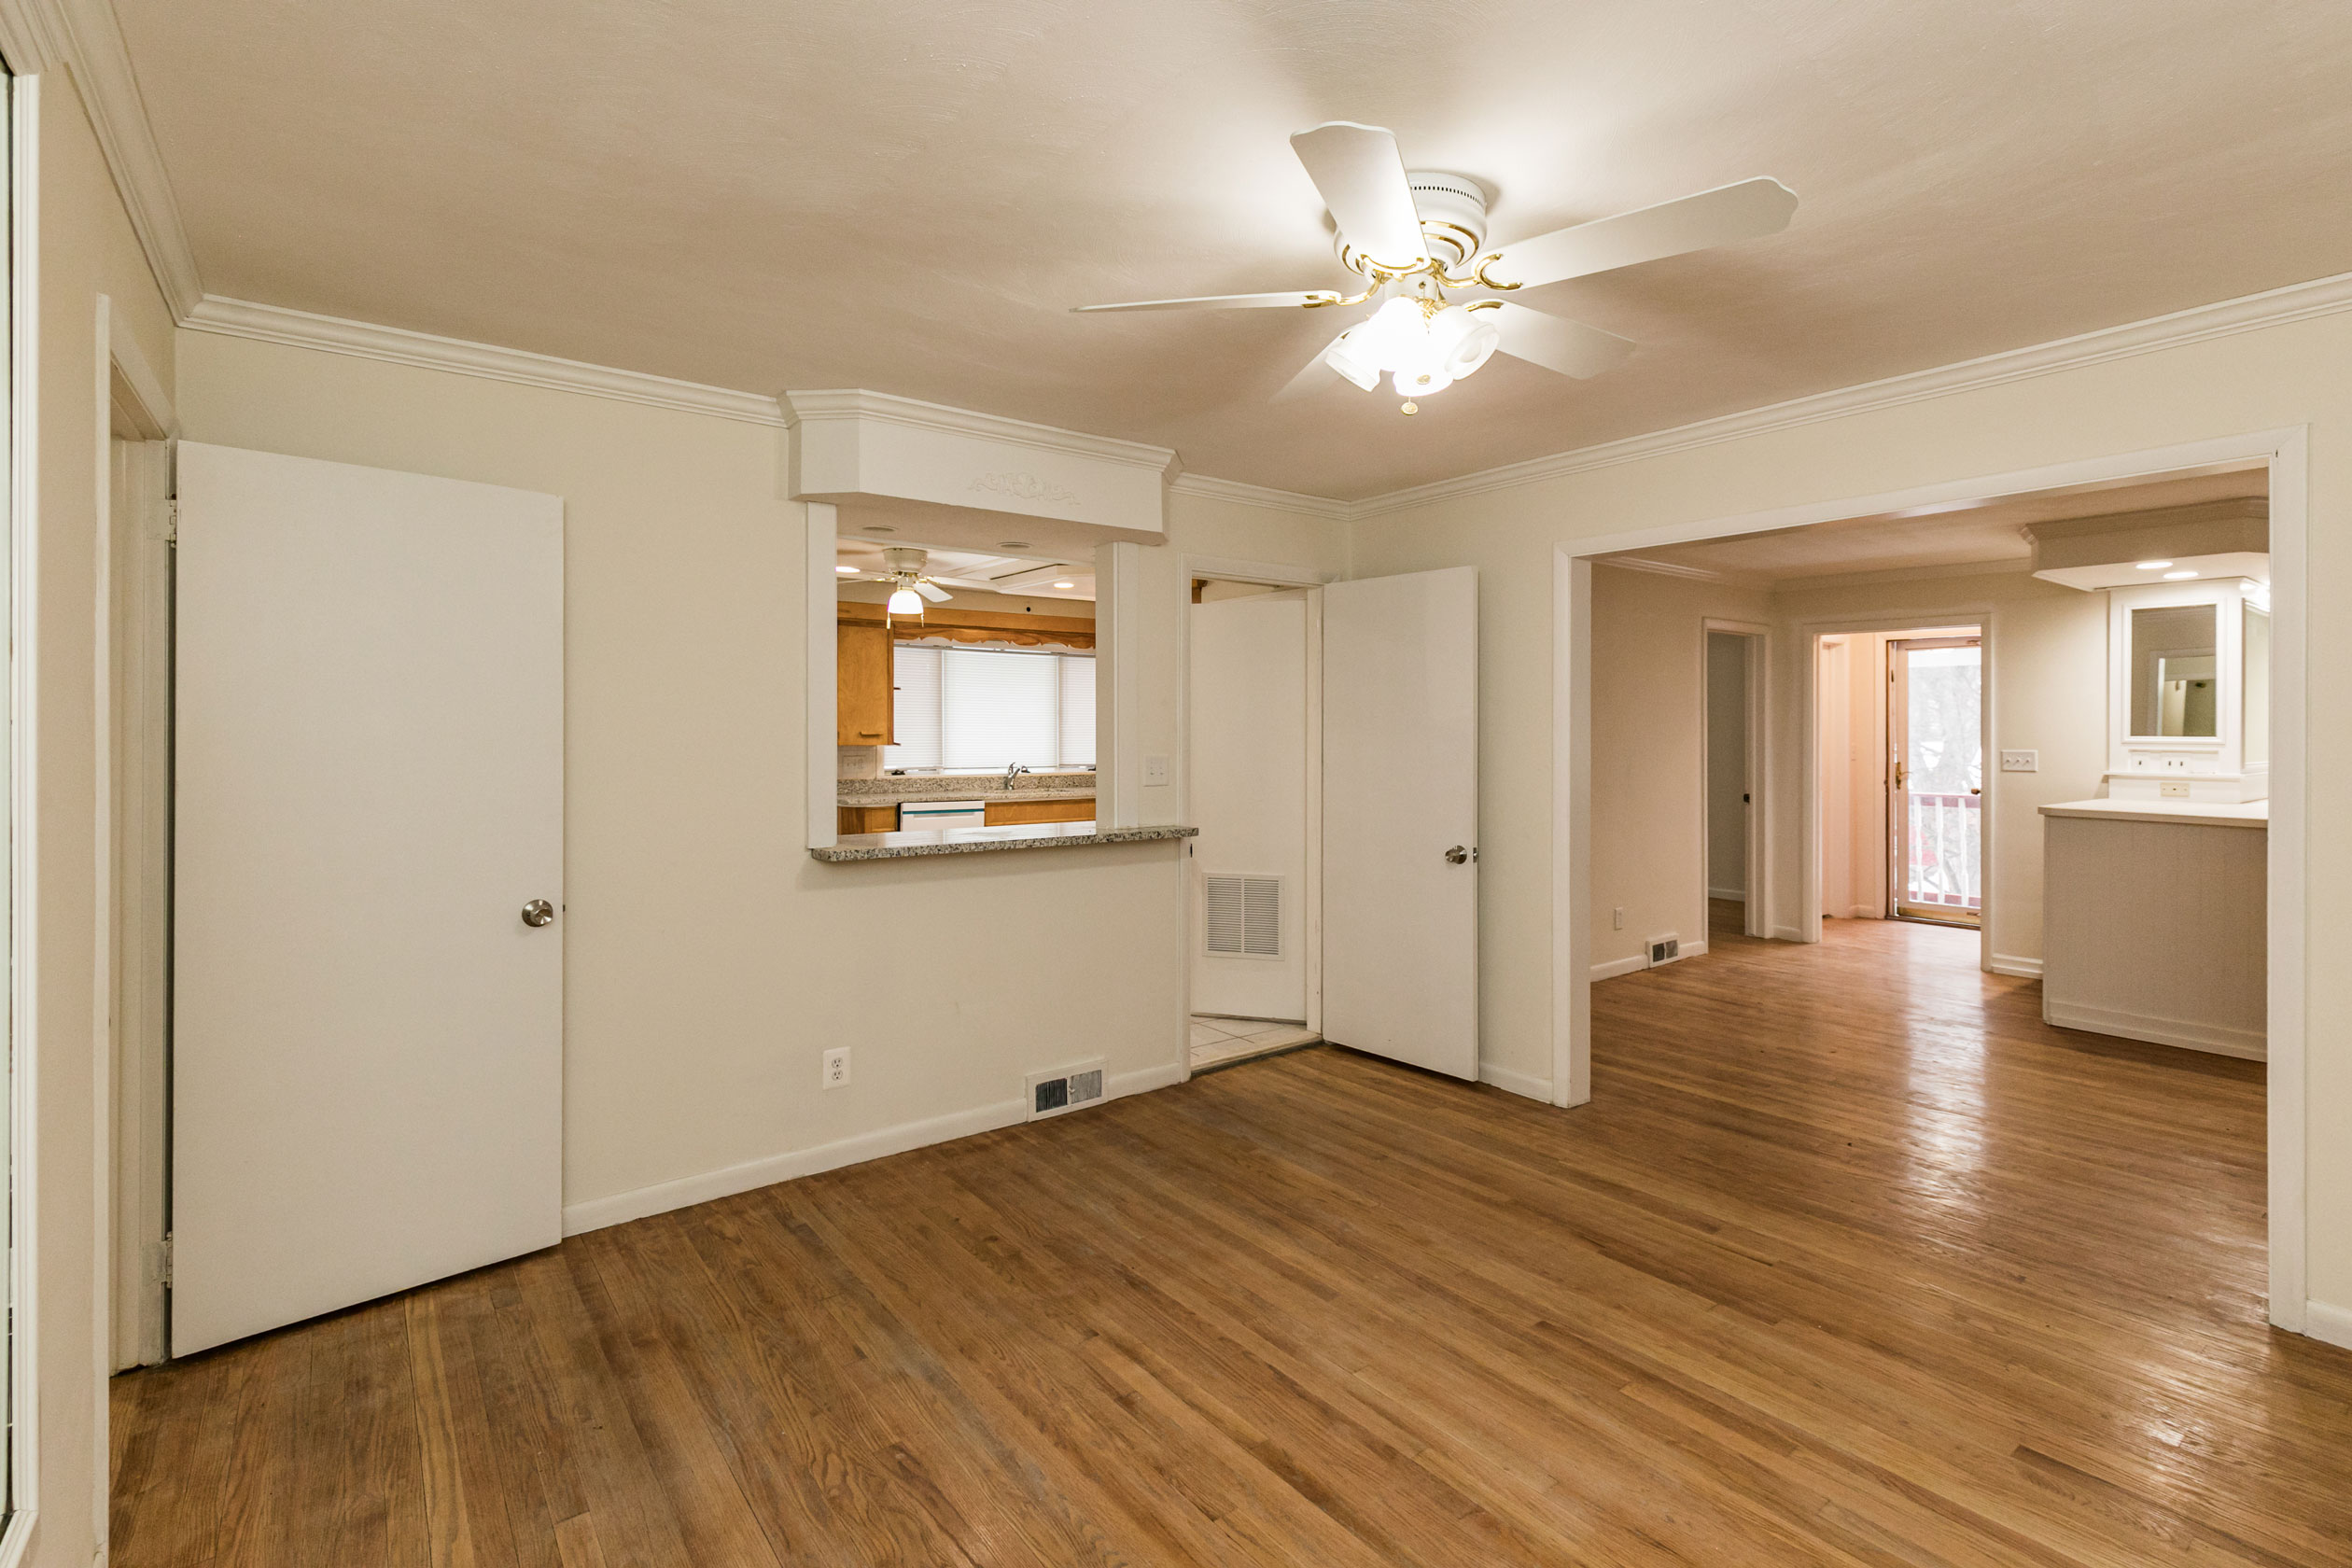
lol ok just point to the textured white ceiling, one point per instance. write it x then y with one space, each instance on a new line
908 197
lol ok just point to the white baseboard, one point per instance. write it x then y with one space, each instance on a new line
1787 933
1729 895
660 1198
2220 1039
1516 1082
2010 964
2327 1322
1616 967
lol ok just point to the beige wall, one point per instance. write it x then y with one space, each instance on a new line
709 962
1649 809
2278 376
2048 685
87 249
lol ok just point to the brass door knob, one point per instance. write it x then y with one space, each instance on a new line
538 912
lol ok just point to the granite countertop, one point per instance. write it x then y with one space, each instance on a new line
2195 814
847 799
890 789
969 841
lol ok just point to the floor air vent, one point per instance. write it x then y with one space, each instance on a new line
1243 915
1050 1094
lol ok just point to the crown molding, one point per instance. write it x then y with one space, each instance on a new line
1670 568
1260 496
241 318
83 38
2250 313
801 408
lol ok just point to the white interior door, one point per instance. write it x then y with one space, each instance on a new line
1400 968
1246 786
367 1035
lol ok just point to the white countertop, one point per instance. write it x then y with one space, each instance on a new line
2195 814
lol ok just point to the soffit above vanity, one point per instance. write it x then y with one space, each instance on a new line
2228 538
902 470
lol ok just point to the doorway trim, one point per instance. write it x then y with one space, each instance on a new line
2286 454
133 639
1755 702
1809 635
1232 570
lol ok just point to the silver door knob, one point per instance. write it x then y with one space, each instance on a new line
538 912
1456 855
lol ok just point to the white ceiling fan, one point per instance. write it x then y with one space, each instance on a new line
903 567
1413 236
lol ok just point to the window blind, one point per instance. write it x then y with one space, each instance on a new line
969 707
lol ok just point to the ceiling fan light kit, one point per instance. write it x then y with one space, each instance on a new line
1413 235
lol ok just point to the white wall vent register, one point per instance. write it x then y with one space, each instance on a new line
1664 950
1243 915
1050 1094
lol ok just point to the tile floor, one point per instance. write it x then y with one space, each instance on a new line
1216 1041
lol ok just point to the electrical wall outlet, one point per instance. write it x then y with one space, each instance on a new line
1156 770
1616 918
2020 762
2168 790
838 1067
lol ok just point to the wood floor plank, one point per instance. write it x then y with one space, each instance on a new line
1850 1262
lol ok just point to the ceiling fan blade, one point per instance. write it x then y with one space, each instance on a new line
1723 216
1297 297
1312 378
932 591
1362 179
1570 348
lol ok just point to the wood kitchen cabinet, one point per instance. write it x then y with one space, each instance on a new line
1002 812
868 819
864 700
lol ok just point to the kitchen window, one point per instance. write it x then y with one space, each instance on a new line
957 708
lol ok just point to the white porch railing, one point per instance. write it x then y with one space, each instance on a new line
1946 860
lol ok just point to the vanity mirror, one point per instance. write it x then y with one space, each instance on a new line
2174 671
2189 709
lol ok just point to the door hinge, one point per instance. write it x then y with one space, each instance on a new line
171 521
164 1268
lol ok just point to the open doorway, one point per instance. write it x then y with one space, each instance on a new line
1732 749
1898 717
1989 721
1250 656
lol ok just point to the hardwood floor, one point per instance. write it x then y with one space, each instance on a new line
1849 1261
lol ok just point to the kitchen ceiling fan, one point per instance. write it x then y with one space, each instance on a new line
903 567
1412 236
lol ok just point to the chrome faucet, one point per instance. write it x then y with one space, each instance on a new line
1013 771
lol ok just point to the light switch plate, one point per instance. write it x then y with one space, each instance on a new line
1156 770
2020 762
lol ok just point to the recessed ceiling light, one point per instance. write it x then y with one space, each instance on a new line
1065 585
846 571
1012 544
2178 575
2152 566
